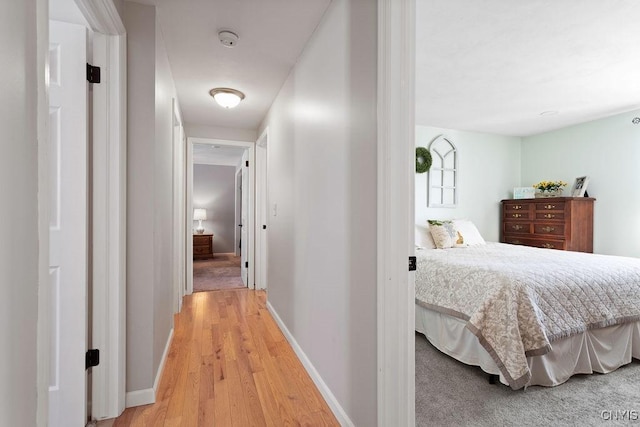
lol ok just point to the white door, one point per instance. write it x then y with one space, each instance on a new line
68 224
244 217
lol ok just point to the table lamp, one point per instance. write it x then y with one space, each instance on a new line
199 215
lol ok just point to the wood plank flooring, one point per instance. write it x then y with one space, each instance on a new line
230 365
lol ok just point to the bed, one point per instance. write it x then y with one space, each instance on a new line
532 316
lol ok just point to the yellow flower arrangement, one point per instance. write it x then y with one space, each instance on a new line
549 186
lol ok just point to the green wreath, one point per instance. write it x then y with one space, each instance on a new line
423 160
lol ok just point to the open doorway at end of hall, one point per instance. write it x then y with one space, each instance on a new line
219 208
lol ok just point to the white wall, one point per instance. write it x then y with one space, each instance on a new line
322 177
606 150
18 213
165 93
149 198
217 132
214 189
489 168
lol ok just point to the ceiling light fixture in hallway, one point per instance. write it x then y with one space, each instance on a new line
227 97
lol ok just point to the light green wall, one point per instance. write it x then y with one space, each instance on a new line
489 168
608 151
605 150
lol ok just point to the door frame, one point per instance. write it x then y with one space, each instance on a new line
396 214
179 207
237 214
108 196
262 209
189 208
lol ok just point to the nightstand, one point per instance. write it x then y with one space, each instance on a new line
202 246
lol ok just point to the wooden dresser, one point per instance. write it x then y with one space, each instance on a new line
202 246
556 223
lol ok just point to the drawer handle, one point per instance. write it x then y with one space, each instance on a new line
548 229
516 215
516 207
550 207
517 227
549 216
548 246
516 242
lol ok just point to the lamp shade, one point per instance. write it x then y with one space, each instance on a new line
227 97
199 214
227 100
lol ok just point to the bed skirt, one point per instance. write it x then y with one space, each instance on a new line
598 350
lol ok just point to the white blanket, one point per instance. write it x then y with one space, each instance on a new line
518 300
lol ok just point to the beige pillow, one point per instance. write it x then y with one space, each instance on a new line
445 235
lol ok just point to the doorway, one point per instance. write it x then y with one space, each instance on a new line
82 204
220 205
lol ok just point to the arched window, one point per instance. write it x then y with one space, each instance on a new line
442 184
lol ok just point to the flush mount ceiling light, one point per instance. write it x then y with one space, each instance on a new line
226 97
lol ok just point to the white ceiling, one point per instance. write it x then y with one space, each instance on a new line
66 11
220 155
272 35
495 65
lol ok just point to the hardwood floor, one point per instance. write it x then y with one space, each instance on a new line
229 365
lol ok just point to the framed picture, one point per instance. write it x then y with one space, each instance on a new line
524 193
580 186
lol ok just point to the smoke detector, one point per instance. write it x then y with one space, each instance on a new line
228 38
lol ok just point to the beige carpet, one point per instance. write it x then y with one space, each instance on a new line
450 393
220 272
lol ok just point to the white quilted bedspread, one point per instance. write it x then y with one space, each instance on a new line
519 299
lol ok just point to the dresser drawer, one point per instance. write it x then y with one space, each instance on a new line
550 206
536 243
516 215
517 227
202 250
509 207
201 239
549 244
545 216
554 229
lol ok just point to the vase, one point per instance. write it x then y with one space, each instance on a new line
551 193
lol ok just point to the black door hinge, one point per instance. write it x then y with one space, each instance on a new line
246 264
247 163
413 263
91 358
93 74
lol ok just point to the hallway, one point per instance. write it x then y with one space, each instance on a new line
229 365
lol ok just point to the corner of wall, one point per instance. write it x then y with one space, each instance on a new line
218 132
148 396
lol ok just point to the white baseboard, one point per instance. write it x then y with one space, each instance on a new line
331 400
148 395
139 398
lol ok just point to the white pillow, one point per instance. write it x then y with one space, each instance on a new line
423 237
469 232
